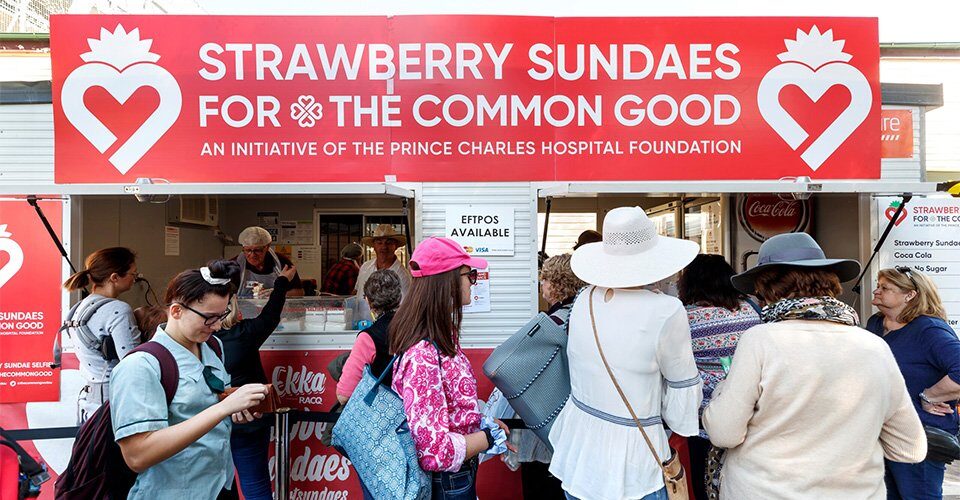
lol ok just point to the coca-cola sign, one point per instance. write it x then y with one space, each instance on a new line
765 215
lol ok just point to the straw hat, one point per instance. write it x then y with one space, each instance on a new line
384 231
794 249
631 253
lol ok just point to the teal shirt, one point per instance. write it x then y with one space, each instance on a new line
137 405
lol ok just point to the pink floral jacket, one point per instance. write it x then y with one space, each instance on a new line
441 408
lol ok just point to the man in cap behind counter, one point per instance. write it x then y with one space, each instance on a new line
260 265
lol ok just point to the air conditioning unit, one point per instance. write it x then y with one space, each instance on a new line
194 210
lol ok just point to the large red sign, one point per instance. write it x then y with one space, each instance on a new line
30 295
461 98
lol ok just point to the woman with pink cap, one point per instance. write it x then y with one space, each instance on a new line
434 377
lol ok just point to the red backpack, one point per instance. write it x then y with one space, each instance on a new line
97 469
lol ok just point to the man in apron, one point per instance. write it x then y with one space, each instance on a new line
260 266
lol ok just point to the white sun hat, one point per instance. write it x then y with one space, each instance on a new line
631 253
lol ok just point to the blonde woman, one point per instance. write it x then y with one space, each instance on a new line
911 321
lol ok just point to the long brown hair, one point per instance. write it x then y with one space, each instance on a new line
100 265
432 309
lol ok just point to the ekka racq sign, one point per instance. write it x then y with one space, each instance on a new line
460 98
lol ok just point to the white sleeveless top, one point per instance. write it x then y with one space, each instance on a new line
598 451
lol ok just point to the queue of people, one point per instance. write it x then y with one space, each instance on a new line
767 374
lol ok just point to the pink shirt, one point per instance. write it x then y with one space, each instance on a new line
441 408
362 354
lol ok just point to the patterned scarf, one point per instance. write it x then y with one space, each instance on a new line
813 308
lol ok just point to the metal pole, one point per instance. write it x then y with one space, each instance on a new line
281 482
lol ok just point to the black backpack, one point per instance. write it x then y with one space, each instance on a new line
97 469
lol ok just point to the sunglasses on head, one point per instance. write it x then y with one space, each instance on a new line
909 274
471 275
208 319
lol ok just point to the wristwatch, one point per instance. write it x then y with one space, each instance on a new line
923 397
490 440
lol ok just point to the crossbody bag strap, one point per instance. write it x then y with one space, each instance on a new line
596 336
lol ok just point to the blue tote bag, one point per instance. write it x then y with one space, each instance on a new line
373 432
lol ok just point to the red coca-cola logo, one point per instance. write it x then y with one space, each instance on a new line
763 216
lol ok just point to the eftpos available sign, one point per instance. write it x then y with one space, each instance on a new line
463 98
482 229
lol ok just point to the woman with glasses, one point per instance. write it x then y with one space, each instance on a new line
434 376
912 322
182 450
260 266
242 338
108 272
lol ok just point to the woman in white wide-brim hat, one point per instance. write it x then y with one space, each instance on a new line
599 453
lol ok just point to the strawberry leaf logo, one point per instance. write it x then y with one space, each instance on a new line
120 62
892 210
814 62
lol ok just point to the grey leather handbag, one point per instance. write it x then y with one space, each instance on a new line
531 370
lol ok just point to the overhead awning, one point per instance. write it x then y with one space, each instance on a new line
668 188
300 189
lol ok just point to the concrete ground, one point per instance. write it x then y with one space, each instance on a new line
951 482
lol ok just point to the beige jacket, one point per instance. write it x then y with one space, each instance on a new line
809 410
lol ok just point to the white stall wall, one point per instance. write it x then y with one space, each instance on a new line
26 144
513 280
116 221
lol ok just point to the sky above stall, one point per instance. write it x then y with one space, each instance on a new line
900 21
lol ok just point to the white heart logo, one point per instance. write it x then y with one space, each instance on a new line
11 248
814 83
121 85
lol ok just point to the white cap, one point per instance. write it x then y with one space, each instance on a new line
255 236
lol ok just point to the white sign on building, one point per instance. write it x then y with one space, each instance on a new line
926 237
482 230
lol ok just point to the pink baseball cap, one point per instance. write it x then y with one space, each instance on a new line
438 255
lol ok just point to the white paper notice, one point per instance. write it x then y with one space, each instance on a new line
480 294
171 241
926 237
307 255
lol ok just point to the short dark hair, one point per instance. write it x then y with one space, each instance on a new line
794 282
706 281
189 286
382 290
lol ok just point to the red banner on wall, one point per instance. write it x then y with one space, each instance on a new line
463 98
30 295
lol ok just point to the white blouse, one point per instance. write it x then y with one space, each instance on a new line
598 451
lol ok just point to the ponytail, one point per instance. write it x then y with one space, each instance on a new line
100 265
77 281
191 286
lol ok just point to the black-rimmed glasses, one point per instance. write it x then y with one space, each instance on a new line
909 273
208 319
471 275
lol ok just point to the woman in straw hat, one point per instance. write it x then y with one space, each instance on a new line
620 330
812 404
912 322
